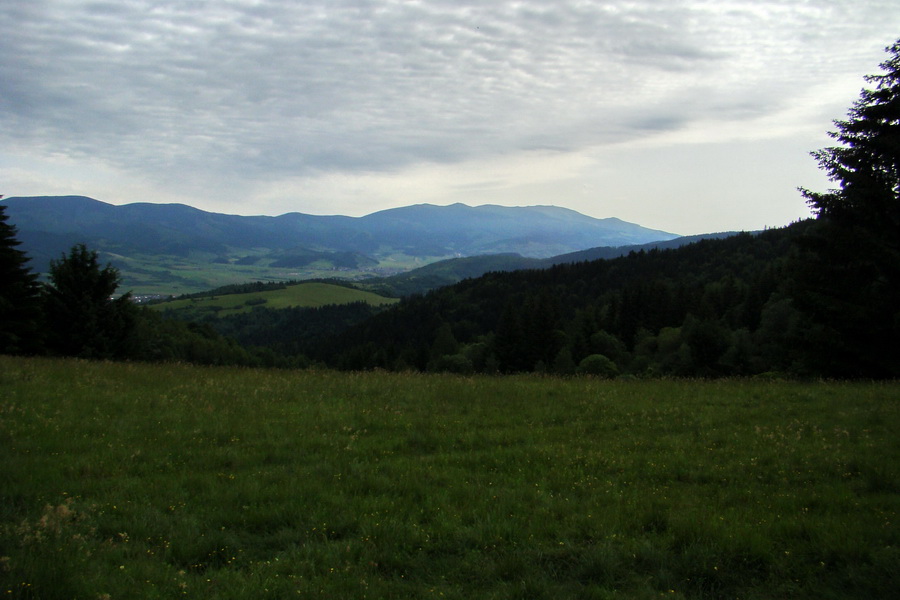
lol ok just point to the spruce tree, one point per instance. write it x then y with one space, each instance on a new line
19 295
83 317
848 279
867 163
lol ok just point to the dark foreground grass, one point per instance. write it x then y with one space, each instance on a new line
137 481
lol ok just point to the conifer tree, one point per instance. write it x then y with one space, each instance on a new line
83 317
19 295
867 163
849 275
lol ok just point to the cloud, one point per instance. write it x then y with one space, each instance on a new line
244 94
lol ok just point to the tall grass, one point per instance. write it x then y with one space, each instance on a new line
150 481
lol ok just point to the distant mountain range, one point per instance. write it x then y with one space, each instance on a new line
50 225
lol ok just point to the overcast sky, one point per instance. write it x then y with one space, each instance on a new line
688 116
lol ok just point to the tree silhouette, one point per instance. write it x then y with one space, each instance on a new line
849 275
83 317
19 295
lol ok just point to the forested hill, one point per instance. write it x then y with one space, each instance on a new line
714 307
450 271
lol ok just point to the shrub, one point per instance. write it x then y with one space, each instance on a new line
597 364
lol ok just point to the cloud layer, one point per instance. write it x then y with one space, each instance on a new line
278 99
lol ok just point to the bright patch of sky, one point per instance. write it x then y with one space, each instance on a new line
688 116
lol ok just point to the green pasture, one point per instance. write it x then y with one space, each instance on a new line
176 275
299 295
170 481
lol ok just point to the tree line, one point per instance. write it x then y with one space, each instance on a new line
76 313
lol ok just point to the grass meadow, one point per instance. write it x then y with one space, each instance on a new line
167 481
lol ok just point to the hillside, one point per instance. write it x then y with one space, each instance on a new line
298 295
176 249
718 306
714 307
453 270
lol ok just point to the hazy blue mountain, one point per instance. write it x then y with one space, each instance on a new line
50 225
532 231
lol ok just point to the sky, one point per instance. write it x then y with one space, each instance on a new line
687 116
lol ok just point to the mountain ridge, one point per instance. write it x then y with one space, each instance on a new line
458 227
134 236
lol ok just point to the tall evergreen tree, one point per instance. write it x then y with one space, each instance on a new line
849 274
19 295
83 317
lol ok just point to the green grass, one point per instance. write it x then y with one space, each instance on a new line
175 275
163 481
299 295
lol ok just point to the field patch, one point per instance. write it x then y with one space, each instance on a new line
132 480
307 295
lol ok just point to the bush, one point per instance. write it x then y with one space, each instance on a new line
597 364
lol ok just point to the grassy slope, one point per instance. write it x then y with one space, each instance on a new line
303 294
163 481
